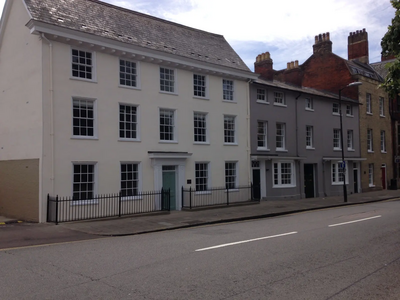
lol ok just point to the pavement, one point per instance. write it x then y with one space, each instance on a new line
140 224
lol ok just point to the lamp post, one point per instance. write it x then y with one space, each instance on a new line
343 166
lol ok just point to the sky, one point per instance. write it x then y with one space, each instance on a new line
285 28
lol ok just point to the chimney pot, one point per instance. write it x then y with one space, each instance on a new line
292 65
296 63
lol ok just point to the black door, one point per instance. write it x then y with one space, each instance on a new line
309 180
256 184
355 177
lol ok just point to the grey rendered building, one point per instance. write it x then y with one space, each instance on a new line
295 142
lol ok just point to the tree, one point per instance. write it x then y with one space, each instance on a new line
391 46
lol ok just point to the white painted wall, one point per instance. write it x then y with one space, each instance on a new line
107 151
20 88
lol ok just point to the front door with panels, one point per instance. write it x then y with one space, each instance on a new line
169 182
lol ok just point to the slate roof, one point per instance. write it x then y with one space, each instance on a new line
357 67
302 89
131 27
380 68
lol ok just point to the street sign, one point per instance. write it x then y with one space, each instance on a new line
342 165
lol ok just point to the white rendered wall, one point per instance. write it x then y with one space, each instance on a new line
108 151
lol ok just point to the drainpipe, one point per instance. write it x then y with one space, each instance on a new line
249 81
51 111
301 182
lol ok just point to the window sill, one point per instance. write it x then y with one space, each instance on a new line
129 198
230 144
351 149
262 149
335 114
168 142
231 190
169 93
201 98
350 116
384 152
309 109
382 116
83 79
129 87
129 140
201 143
84 202
368 113
84 138
203 193
370 151
281 150
229 101
284 186
280 104
262 102
371 185
339 183
310 148
337 149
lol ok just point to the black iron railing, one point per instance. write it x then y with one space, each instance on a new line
65 209
216 196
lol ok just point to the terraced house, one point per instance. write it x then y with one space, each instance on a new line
100 99
295 138
324 70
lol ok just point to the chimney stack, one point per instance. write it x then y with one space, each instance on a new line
322 44
357 46
263 66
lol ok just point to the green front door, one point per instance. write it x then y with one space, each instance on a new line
169 182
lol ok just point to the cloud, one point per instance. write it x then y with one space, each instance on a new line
285 28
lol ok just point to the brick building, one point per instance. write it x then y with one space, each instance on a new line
394 110
324 70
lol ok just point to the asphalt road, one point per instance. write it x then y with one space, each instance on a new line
344 253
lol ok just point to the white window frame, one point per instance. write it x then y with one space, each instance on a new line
349 110
199 176
80 64
235 175
129 74
309 104
228 90
383 141
200 86
279 98
335 109
350 140
282 139
173 125
167 78
335 173
86 119
278 177
370 140
337 144
262 96
138 195
205 115
262 135
136 123
368 103
381 106
90 199
371 175
227 131
309 137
